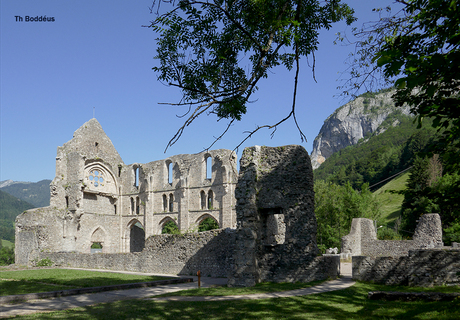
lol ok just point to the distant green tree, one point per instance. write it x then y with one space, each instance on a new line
208 224
428 192
170 227
6 256
335 208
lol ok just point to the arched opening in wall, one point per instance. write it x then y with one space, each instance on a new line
208 167
169 226
170 172
203 200
132 205
171 203
210 200
137 205
136 237
97 240
207 223
96 247
136 177
165 203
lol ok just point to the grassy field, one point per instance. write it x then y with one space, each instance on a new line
7 244
350 303
391 202
42 280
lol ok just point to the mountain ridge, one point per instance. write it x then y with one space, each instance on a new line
356 120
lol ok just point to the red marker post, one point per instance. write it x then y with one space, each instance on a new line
199 278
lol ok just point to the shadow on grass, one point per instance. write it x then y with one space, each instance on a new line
43 280
21 286
349 303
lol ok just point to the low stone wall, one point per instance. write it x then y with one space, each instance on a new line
211 252
386 248
362 239
432 267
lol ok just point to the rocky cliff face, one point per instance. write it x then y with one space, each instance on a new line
355 120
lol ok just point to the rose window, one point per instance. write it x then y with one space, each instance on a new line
96 178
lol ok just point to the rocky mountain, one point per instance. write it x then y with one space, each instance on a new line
35 193
358 119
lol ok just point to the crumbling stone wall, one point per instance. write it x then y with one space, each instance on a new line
276 223
95 197
211 252
362 239
430 267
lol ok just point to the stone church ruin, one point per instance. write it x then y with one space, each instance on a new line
267 232
422 261
96 198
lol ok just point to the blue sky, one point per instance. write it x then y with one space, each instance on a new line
97 57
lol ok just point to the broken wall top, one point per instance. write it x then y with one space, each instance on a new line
91 142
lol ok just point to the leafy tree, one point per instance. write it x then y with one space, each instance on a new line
6 256
170 227
216 51
208 224
417 49
335 208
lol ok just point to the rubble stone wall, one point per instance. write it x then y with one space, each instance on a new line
430 267
362 239
211 252
276 223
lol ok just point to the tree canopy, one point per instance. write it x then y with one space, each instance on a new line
416 49
216 51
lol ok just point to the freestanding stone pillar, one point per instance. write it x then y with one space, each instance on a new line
276 223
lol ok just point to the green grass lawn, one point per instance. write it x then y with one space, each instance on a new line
391 202
42 280
264 287
350 303
7 244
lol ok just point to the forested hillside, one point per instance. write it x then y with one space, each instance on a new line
378 157
10 207
35 193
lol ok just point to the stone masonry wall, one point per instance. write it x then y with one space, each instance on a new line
276 224
211 252
432 267
362 239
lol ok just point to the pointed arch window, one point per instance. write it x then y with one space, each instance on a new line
171 203
203 200
210 200
165 203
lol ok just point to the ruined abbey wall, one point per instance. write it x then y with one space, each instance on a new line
211 252
362 239
96 198
276 223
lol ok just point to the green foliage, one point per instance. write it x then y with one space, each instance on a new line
208 224
10 208
47 262
35 193
429 192
170 227
96 245
335 208
452 234
6 256
388 234
378 158
423 54
216 51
